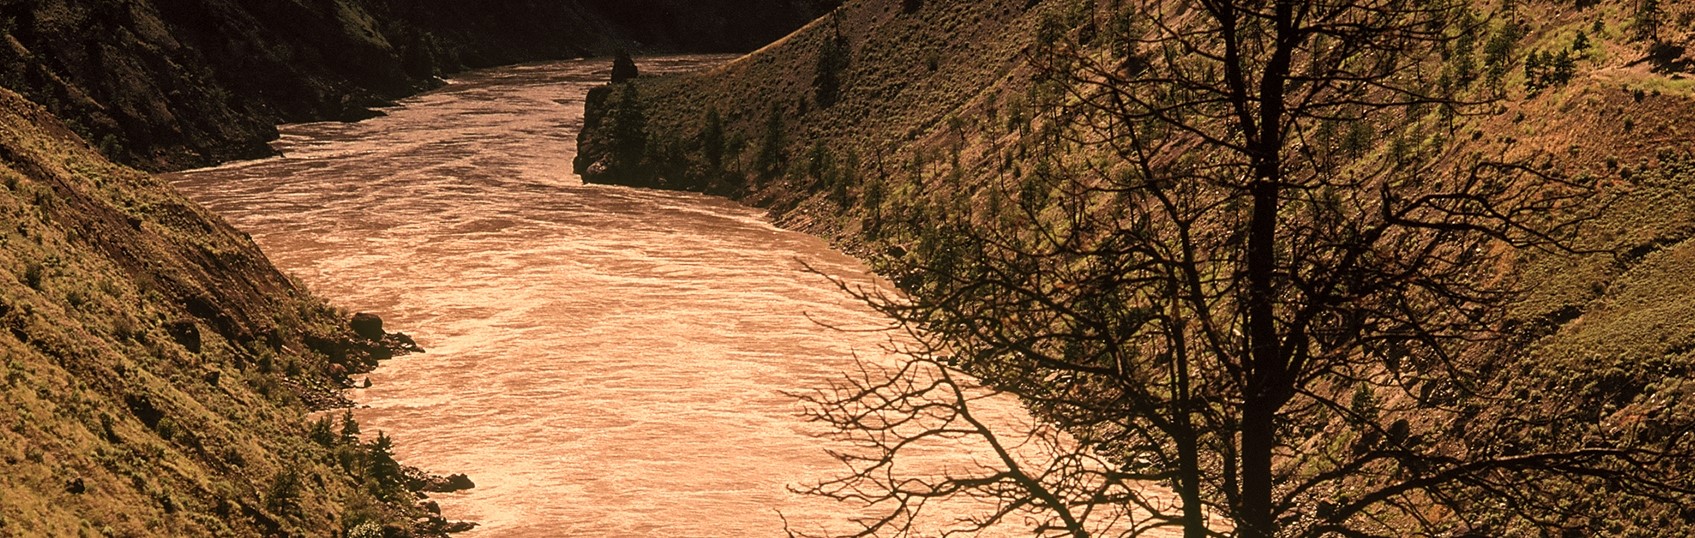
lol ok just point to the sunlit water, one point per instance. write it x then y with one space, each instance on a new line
602 361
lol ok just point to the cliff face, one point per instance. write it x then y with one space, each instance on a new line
165 84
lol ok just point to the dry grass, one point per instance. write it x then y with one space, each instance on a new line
1611 331
114 421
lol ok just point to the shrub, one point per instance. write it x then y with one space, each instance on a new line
33 275
322 433
368 529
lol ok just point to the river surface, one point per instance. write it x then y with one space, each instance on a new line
602 360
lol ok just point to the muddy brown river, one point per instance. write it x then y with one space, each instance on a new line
602 361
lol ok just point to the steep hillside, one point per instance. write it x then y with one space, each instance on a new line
889 123
873 79
913 90
157 373
178 83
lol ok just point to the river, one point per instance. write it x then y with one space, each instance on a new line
602 360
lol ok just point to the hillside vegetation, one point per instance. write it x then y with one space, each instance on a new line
900 127
159 376
174 84
158 373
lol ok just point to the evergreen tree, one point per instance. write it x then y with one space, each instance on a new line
629 131
1648 17
712 140
832 60
769 162
623 67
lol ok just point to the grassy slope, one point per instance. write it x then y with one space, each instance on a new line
152 353
912 80
1613 333
156 372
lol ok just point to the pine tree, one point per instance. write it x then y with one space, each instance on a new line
624 68
769 162
629 131
712 140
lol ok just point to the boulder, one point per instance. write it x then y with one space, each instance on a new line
458 482
186 334
401 343
459 527
367 326
448 484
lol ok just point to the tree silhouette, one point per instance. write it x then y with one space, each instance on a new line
1238 328
712 141
629 131
833 58
624 67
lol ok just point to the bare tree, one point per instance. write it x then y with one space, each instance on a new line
1245 320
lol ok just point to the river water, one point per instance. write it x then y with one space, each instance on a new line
602 361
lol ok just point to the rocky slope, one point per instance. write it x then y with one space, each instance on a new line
157 373
875 124
179 83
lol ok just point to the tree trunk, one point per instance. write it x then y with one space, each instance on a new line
1258 441
1189 488
1268 377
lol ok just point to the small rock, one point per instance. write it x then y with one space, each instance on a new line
186 333
367 326
75 486
449 484
431 507
458 481
400 342
459 526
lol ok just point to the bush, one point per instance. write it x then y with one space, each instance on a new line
33 274
368 529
